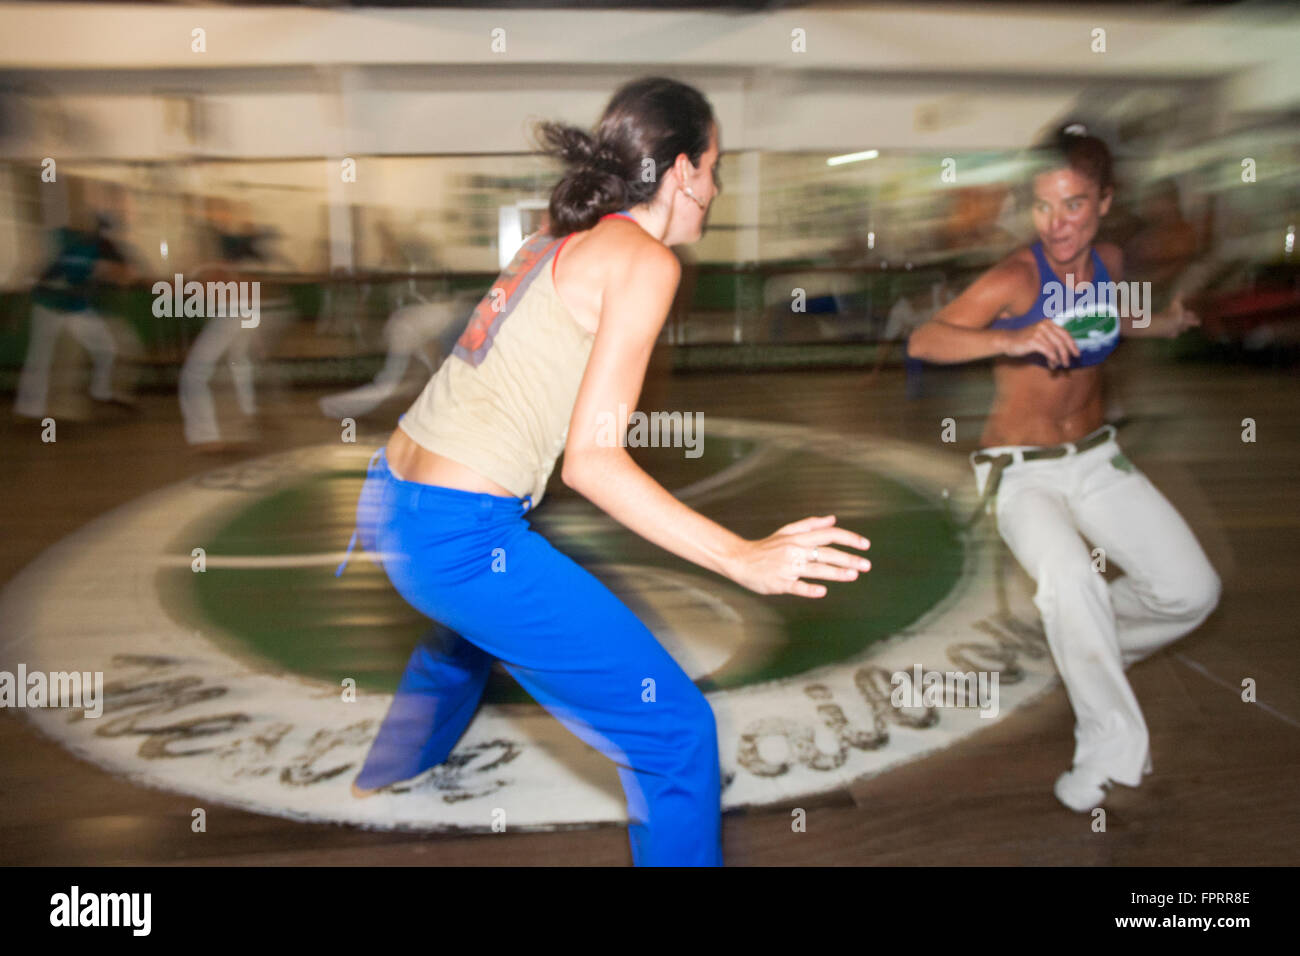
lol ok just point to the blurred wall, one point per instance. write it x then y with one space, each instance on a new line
440 125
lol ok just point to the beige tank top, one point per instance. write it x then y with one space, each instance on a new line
501 401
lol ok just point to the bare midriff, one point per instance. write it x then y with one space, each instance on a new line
409 461
1036 406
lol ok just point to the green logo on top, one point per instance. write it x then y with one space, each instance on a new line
1092 329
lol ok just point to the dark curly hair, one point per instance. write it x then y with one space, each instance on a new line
653 119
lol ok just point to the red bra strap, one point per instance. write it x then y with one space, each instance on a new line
556 258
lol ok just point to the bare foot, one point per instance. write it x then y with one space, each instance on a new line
362 794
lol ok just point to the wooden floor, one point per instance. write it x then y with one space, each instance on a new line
1227 782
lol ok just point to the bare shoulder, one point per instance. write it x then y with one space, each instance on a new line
1007 288
1020 266
1013 277
632 250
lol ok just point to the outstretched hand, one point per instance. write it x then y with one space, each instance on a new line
778 563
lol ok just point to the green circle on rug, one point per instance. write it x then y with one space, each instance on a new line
304 620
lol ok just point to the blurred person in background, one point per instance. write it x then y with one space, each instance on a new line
236 248
1159 245
971 232
1165 243
419 328
62 298
917 304
422 330
1057 474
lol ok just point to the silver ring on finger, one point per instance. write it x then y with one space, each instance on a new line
814 555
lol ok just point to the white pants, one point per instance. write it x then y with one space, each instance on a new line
1045 509
221 335
408 332
87 327
227 336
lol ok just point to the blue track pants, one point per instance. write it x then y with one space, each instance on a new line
500 591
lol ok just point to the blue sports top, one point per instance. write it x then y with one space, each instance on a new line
66 285
1088 312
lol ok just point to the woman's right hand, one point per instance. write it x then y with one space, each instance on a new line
1045 338
775 564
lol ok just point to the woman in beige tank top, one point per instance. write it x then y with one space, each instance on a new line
573 645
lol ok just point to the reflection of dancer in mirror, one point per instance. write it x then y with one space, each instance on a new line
424 331
237 248
563 338
61 299
1059 476
418 328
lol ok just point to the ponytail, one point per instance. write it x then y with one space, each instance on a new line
594 184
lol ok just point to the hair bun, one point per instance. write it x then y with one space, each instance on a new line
606 159
573 146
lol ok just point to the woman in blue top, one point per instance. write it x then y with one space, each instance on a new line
1049 315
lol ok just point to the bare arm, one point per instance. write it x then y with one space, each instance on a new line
1140 323
1169 324
637 294
959 332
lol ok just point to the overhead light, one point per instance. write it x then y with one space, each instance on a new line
852 157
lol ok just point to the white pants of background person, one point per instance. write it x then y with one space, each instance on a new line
406 333
87 327
221 336
1045 509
